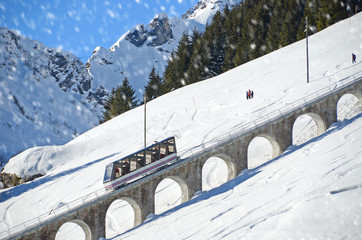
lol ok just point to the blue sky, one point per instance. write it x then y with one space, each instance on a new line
81 26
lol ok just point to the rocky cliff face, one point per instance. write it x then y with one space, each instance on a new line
158 32
66 69
46 95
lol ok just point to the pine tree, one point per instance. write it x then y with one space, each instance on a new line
285 36
121 100
232 31
216 42
154 85
331 12
198 68
273 35
175 75
169 75
193 73
128 95
242 46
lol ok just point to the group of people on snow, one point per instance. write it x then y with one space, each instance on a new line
249 94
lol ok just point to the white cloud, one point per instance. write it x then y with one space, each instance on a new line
50 16
48 31
71 13
112 14
2 7
173 11
16 21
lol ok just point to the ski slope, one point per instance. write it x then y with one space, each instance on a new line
280 198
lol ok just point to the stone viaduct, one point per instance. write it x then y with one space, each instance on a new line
188 173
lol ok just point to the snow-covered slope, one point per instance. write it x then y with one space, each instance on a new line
311 192
198 113
147 46
43 95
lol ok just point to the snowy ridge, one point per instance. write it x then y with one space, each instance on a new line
201 112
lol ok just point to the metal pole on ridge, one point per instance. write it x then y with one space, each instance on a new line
144 120
306 34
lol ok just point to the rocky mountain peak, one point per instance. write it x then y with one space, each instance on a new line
156 33
205 9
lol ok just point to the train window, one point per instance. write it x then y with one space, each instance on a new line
163 151
148 157
133 165
155 153
125 168
118 171
171 149
108 172
140 154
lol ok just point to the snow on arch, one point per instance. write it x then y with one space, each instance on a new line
162 197
261 149
122 214
307 126
217 170
74 229
349 105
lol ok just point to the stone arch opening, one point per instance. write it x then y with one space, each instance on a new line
306 127
216 171
74 229
169 193
122 214
261 149
349 106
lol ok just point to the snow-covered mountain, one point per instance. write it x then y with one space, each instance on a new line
46 95
147 46
311 192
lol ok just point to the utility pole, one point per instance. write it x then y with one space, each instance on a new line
306 34
144 119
